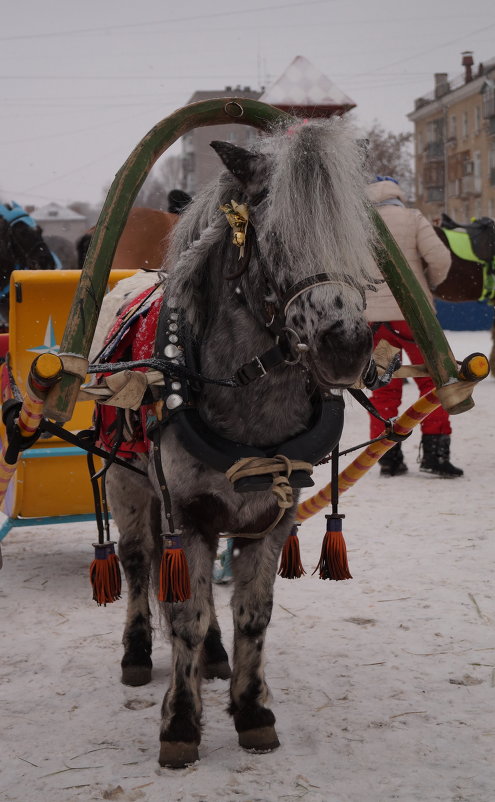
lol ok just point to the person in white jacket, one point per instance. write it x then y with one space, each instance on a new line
430 261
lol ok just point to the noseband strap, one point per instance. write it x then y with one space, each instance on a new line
277 305
277 309
318 280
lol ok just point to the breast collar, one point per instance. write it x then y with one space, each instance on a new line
174 343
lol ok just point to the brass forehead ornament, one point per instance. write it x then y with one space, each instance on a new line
238 216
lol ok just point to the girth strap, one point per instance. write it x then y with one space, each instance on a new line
279 468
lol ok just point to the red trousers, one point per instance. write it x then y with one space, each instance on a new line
387 399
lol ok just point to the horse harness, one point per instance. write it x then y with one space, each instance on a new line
174 351
276 304
476 243
155 334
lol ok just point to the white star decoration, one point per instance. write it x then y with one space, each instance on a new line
49 343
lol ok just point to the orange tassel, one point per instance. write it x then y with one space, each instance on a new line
290 562
333 559
104 574
175 585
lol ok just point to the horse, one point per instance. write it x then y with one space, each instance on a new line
142 243
21 247
283 299
470 277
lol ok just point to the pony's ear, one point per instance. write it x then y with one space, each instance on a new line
240 162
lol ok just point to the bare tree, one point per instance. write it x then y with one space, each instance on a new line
160 181
88 210
390 154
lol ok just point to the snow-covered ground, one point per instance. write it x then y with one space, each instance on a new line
383 686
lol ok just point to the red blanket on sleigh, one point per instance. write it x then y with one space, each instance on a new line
131 338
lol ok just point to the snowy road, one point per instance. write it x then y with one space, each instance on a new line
383 686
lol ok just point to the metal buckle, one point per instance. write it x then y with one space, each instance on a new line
298 346
243 374
257 361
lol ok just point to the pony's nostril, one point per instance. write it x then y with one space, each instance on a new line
334 336
344 353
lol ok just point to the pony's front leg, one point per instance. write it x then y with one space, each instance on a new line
136 511
255 566
180 732
215 658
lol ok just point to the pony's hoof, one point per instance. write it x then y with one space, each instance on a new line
261 739
136 675
217 670
178 754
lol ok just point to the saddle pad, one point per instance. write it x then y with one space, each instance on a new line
131 338
460 244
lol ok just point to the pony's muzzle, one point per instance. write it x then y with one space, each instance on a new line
341 359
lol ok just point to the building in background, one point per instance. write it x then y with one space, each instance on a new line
455 144
60 221
200 163
306 92
301 90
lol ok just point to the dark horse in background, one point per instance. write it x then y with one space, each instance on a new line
472 274
22 247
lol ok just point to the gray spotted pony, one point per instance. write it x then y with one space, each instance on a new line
260 328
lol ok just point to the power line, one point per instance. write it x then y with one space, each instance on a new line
435 47
248 10
346 75
112 77
75 131
74 171
15 193
278 25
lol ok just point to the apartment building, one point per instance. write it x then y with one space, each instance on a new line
455 144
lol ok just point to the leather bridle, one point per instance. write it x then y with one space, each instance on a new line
276 305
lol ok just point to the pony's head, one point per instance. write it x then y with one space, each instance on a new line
21 241
308 246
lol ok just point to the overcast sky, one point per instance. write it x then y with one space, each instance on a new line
82 82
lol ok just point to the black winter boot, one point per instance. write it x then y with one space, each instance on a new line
436 456
392 463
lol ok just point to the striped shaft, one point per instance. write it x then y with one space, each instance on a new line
45 370
29 419
6 473
30 414
404 424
